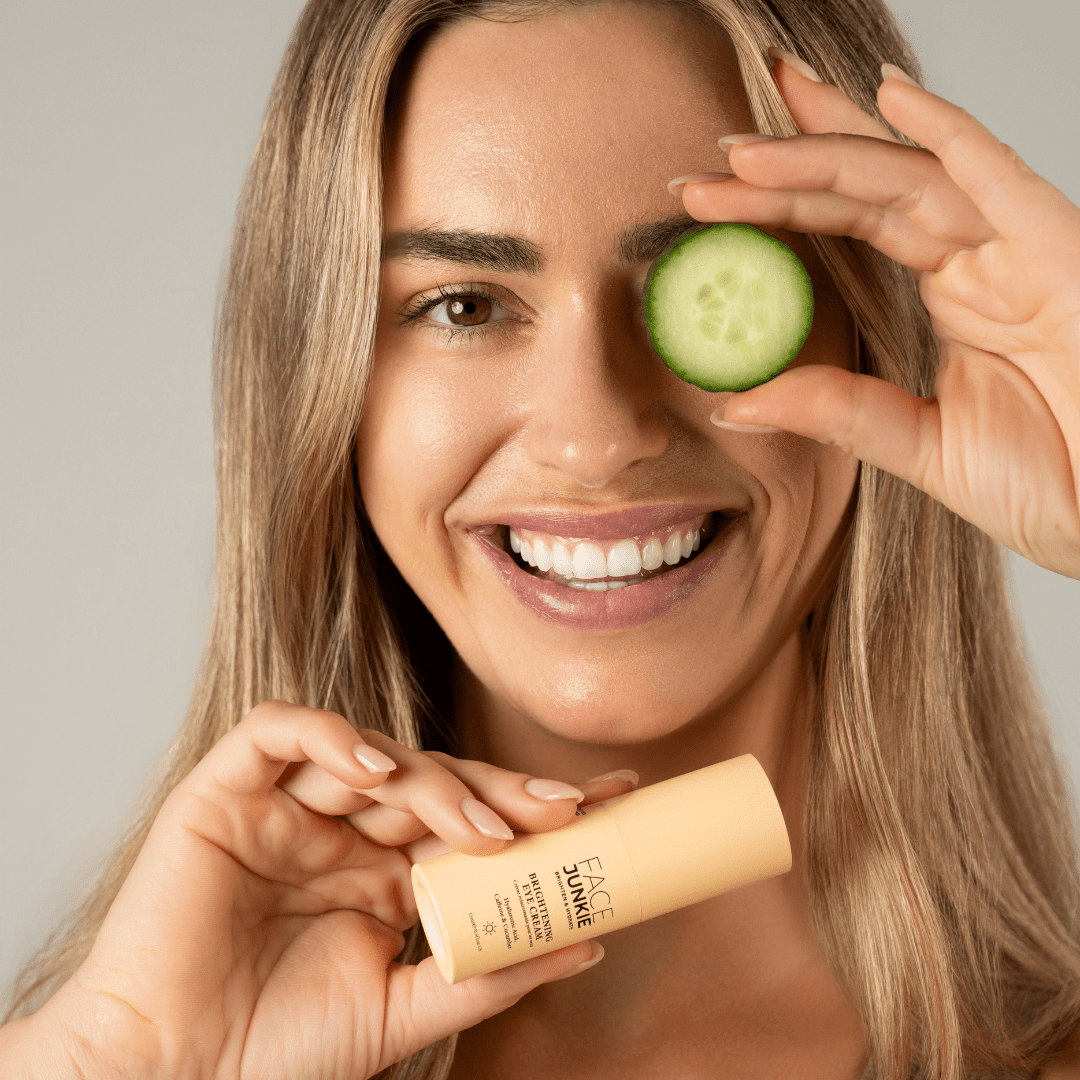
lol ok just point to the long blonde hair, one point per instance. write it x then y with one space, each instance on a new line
941 847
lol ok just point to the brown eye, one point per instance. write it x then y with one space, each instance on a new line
468 310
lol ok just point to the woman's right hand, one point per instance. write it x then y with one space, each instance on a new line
256 933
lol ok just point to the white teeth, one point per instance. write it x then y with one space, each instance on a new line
652 554
561 562
542 556
624 559
673 549
589 561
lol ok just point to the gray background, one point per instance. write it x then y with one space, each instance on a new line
128 126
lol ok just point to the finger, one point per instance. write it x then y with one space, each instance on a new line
422 1007
312 786
250 758
382 888
818 107
608 785
526 802
599 788
423 787
904 179
427 847
390 827
1014 199
870 418
821 212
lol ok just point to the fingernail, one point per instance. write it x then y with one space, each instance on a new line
697 178
484 820
594 959
750 429
891 71
373 760
725 142
801 66
618 774
552 790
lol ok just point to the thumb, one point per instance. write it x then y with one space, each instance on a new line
872 419
422 1007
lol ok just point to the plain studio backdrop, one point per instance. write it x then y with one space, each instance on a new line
128 127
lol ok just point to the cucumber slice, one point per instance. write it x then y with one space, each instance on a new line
728 307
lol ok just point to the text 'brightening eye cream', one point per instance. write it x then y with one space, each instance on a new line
616 864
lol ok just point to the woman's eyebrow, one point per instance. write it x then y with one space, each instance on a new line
644 242
515 255
489 251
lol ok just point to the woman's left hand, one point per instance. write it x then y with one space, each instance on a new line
996 251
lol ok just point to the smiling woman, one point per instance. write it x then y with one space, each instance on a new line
495 560
551 422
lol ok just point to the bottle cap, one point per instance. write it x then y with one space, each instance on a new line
700 834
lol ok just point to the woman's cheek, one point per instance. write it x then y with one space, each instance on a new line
426 430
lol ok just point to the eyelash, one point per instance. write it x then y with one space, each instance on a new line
419 308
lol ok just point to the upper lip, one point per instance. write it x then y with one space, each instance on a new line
609 525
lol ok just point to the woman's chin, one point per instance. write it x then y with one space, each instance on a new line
601 707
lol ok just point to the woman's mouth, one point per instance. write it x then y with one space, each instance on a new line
609 572
595 565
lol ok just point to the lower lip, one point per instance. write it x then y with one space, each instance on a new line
615 609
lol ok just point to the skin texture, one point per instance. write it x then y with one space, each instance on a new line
256 933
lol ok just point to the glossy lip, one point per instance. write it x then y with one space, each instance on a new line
617 525
618 609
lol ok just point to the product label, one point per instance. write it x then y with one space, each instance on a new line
543 892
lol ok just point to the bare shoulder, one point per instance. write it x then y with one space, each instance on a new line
1065 1064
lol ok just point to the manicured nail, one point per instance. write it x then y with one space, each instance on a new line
697 178
594 959
373 760
726 142
750 429
792 61
552 790
619 774
484 820
891 71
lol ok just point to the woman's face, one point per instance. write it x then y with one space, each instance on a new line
514 387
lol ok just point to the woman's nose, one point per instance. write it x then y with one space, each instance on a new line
593 404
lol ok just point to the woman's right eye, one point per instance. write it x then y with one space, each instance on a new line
469 311
464 310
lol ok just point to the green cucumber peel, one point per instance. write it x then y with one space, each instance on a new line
728 307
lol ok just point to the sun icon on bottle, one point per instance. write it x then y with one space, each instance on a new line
489 928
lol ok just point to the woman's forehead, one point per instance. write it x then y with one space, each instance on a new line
574 119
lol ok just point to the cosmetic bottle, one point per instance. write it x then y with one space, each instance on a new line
616 864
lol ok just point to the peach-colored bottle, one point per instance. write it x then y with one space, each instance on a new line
618 863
